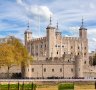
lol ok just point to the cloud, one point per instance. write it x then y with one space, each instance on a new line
36 10
40 11
20 2
92 5
14 15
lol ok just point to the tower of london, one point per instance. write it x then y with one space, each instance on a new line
56 56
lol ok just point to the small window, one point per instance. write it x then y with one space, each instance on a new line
44 69
64 52
78 53
58 45
52 70
55 45
84 62
60 69
85 54
32 69
71 69
57 52
45 45
36 54
41 46
68 60
71 47
85 48
78 47
62 46
28 69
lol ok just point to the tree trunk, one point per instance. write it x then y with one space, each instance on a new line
8 72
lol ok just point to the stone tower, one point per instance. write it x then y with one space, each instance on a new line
78 66
82 31
28 35
58 42
51 40
84 42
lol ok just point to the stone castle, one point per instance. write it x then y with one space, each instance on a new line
56 56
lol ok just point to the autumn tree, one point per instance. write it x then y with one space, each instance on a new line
12 53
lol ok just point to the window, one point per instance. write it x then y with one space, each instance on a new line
64 52
28 69
78 53
71 69
85 48
68 60
44 69
78 47
71 47
58 45
41 46
57 52
60 69
45 45
84 62
55 45
52 70
62 46
36 54
85 54
32 69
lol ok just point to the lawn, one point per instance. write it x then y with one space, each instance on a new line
60 86
17 86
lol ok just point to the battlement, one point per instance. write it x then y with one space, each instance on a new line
71 38
39 39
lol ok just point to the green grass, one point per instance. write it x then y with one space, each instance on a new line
65 86
15 86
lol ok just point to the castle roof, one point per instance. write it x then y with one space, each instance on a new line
82 26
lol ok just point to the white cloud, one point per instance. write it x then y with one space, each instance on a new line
20 2
40 10
92 5
36 10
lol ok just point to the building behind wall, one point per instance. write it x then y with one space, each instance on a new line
55 55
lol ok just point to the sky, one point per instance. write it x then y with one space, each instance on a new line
16 14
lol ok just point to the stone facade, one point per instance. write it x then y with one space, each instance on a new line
57 56
55 45
54 68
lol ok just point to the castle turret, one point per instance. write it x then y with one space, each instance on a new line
28 35
58 42
78 66
83 31
51 40
84 42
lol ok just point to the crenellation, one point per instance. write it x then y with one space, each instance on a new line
39 39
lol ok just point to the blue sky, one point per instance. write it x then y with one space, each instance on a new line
15 14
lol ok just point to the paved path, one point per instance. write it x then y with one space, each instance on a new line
46 80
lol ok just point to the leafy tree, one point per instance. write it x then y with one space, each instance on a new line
13 52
